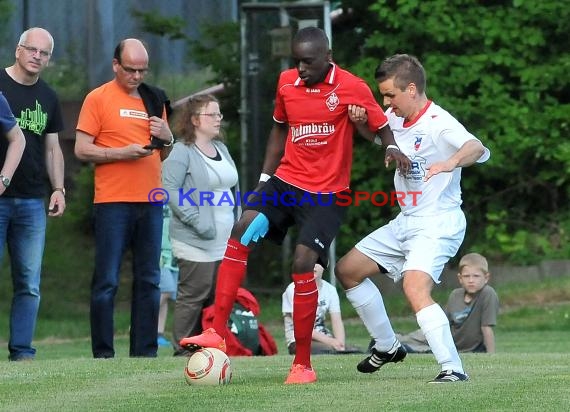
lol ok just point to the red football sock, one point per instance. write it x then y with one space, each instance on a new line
305 301
230 275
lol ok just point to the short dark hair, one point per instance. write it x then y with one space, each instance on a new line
405 69
118 51
314 35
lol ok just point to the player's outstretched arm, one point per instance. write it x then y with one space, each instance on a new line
469 153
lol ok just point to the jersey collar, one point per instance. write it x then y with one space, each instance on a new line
418 116
329 79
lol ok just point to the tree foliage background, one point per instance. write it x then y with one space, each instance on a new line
501 67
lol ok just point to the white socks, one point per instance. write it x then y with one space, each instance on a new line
368 303
435 326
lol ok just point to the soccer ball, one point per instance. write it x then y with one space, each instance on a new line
208 366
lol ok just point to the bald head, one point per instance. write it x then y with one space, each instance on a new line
38 33
130 64
130 49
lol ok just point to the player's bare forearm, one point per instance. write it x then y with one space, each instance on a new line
364 131
468 154
275 147
386 136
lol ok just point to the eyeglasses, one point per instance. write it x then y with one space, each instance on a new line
33 50
131 70
218 115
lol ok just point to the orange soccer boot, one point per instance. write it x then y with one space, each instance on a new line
208 339
300 374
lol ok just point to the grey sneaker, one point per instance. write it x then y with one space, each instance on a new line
377 359
449 376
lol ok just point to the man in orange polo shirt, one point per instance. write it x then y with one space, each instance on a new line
113 132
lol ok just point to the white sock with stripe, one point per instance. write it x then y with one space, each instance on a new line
368 303
435 326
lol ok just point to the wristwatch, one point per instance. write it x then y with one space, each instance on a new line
5 180
59 189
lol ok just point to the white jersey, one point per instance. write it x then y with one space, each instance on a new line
434 136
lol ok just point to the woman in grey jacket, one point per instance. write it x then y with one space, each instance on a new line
199 175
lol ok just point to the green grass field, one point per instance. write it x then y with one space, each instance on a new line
529 372
65 378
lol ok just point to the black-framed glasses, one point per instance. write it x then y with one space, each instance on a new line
218 115
132 70
33 50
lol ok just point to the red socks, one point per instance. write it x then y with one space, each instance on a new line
305 302
230 275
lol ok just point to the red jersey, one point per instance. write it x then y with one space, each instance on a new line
318 151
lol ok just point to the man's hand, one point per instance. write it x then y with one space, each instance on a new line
258 189
135 151
403 164
439 167
357 114
159 128
337 344
56 205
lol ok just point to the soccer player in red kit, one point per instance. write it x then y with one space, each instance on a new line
307 164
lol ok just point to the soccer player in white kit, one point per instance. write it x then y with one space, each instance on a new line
415 246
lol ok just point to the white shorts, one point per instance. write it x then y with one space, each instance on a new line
423 243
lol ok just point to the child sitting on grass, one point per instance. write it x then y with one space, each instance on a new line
472 311
324 341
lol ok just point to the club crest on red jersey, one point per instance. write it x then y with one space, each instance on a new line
332 101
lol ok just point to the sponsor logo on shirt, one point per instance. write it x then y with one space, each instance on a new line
418 169
311 133
134 114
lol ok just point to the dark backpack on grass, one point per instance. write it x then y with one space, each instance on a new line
243 324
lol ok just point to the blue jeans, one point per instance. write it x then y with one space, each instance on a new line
23 229
119 226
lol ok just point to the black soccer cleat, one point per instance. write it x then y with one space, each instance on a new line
377 359
449 376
